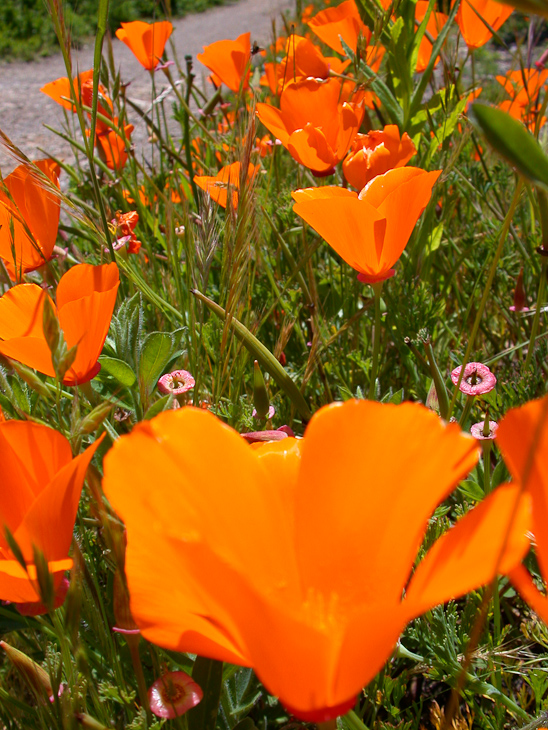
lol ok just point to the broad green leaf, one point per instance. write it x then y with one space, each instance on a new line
119 370
162 404
262 354
539 7
155 354
510 138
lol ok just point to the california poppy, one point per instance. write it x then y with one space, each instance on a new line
293 558
59 90
370 230
524 88
29 221
41 485
228 177
229 62
85 301
113 144
343 20
522 437
474 31
375 153
146 40
313 124
302 60
435 23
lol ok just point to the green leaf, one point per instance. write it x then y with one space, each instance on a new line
510 138
155 354
262 354
539 7
119 370
208 674
472 490
162 404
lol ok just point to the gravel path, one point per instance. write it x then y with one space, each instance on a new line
24 109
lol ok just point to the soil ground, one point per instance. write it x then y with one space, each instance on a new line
24 110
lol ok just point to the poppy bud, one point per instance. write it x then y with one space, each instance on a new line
520 297
93 420
36 677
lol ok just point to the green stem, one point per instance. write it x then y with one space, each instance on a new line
486 448
133 644
377 290
536 320
439 385
466 410
487 289
353 722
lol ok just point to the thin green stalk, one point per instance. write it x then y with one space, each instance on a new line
377 290
536 320
353 721
133 644
487 289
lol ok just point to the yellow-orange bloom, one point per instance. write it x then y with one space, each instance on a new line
146 40
59 90
522 437
525 88
29 221
292 558
375 153
435 23
229 61
303 60
343 20
370 230
85 301
113 144
41 485
474 31
228 177
313 124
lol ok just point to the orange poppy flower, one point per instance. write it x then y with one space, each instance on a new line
292 558
228 177
41 485
313 124
435 23
473 29
303 60
146 40
370 230
59 90
375 153
524 88
229 61
29 221
343 20
522 437
85 301
113 145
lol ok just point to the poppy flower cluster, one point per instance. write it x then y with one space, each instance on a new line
313 123
29 216
525 89
293 557
111 136
85 299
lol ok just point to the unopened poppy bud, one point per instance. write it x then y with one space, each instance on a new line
174 694
31 379
89 722
93 420
520 297
52 330
36 677
122 611
260 395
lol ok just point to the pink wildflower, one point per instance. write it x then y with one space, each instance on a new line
477 379
174 694
177 382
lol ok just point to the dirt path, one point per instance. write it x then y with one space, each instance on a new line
24 109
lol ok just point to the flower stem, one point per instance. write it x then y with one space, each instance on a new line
487 289
536 320
353 722
377 289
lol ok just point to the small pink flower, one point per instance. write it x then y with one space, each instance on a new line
269 415
477 379
177 382
477 431
174 694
